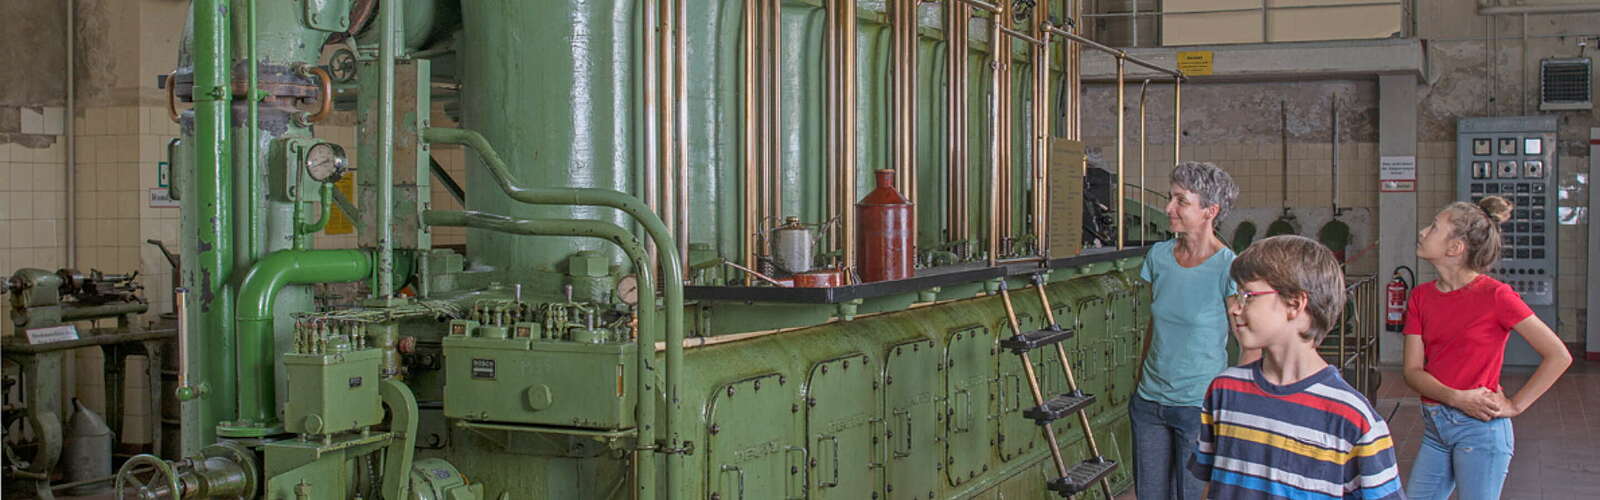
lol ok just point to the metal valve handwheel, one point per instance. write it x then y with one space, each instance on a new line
147 479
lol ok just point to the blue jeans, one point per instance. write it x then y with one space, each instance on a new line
1164 437
1458 449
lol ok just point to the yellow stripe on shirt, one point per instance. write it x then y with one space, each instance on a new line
1299 448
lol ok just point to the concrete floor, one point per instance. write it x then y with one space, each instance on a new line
1557 441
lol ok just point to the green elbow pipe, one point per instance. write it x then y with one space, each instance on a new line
667 254
253 322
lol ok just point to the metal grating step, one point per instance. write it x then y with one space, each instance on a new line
1059 407
1035 339
1082 476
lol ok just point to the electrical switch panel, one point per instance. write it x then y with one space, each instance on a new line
1514 157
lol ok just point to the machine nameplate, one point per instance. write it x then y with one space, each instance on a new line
482 368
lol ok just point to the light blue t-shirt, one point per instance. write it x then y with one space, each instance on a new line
1190 345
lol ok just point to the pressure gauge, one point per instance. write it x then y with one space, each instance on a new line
325 162
628 289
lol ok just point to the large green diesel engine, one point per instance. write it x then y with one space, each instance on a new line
670 286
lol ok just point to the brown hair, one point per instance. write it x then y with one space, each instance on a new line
1294 266
1478 226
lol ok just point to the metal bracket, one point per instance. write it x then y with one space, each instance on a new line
663 448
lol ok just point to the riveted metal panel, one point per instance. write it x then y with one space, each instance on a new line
1094 350
842 413
750 450
969 367
1014 433
911 382
1123 339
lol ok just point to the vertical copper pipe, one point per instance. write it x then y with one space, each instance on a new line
667 196
763 89
903 134
1122 185
680 55
1143 188
652 136
996 133
830 119
955 109
847 131
773 92
964 114
751 138
1041 127
1177 119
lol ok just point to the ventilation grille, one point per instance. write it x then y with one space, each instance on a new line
1565 84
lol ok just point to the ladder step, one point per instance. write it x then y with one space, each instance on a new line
1035 339
1059 407
1082 476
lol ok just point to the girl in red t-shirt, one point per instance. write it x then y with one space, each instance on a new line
1455 334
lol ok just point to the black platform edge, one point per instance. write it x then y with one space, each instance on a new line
1035 339
928 278
1082 476
1058 407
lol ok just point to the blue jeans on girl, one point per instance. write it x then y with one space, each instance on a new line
1460 450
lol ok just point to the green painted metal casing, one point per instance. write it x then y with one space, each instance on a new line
332 393
541 382
901 403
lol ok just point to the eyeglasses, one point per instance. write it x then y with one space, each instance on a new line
1242 297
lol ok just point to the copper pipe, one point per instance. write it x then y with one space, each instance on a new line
652 135
680 101
763 89
172 95
830 108
752 272
324 94
997 120
964 134
772 91
955 100
983 5
1122 183
1144 190
667 111
847 130
750 136
1041 127
1177 120
904 132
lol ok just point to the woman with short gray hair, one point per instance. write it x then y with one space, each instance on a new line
1186 344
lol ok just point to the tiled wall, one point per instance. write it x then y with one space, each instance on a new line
32 202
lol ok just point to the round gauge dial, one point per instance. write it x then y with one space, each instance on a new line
628 289
325 162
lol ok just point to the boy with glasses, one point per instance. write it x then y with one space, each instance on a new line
1287 426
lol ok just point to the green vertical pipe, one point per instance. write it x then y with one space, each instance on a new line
257 398
387 51
253 208
648 324
213 178
667 256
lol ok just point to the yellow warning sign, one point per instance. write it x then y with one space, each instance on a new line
340 223
1194 63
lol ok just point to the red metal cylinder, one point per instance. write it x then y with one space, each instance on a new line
821 278
884 247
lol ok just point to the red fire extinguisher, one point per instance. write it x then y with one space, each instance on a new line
1394 318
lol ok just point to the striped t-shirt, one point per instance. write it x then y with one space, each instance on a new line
1316 438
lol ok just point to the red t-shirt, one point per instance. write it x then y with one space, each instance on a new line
1464 331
